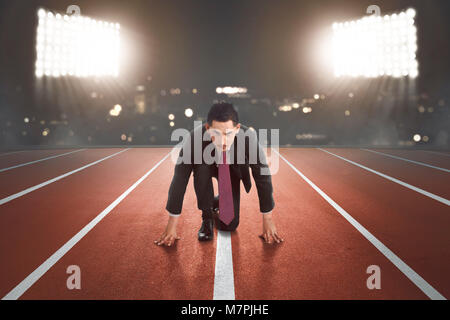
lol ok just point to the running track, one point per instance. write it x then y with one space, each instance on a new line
339 211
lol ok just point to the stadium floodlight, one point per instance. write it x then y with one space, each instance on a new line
231 90
76 46
376 46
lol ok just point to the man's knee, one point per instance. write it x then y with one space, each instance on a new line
202 176
203 187
201 169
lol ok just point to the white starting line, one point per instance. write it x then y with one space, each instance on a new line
45 183
407 160
224 275
23 286
407 185
440 153
14 152
423 285
36 161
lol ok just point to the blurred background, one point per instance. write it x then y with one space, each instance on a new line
274 60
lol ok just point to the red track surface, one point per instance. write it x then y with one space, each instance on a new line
323 256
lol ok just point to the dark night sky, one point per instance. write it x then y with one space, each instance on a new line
262 44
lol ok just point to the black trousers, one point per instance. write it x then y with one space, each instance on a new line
204 190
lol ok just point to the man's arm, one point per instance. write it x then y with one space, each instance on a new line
182 173
265 193
263 181
174 204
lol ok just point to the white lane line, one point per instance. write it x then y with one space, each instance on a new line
43 184
5 154
424 286
440 153
407 185
404 159
23 286
223 275
35 161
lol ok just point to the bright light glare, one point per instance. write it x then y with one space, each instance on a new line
286 108
76 46
231 90
411 12
376 46
115 112
188 112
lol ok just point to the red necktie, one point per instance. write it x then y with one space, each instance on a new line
226 206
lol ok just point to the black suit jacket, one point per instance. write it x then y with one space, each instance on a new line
239 171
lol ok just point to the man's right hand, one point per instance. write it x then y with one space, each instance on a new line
169 236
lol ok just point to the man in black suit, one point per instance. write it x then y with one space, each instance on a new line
242 150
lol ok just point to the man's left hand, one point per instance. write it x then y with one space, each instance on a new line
270 234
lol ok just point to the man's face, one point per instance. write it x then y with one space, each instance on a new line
222 133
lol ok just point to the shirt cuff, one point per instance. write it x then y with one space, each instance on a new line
174 215
266 212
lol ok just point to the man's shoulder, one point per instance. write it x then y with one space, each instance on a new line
244 127
247 132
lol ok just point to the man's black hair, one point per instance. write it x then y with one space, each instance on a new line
223 112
